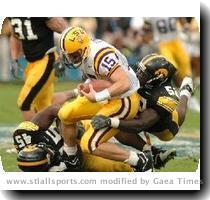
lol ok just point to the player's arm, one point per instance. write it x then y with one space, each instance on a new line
45 118
15 45
121 82
145 120
109 67
186 90
57 24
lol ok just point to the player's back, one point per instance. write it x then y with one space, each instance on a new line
36 37
164 28
103 60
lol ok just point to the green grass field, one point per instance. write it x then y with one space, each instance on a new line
10 115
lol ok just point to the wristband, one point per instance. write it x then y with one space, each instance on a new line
103 95
185 93
115 122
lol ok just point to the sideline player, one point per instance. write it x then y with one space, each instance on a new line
166 35
35 36
100 60
164 112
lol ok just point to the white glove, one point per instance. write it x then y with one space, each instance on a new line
186 88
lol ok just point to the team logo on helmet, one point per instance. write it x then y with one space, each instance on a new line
161 71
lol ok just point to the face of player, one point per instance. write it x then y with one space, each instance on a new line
142 77
75 58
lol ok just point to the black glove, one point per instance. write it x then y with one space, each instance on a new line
100 121
59 68
15 68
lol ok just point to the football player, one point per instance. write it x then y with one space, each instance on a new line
40 147
166 35
99 60
35 37
164 111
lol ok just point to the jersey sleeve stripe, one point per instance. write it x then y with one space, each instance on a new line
167 103
113 70
100 55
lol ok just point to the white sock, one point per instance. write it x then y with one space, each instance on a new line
70 150
133 159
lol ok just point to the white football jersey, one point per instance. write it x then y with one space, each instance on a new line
103 60
164 28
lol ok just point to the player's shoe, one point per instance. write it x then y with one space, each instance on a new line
73 162
161 157
145 162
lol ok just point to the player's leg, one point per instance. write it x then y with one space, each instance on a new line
166 49
95 141
183 61
69 114
36 75
93 163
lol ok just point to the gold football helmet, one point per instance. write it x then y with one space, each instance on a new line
74 43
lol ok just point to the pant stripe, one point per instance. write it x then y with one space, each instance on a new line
35 90
121 114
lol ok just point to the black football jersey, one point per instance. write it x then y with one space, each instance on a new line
163 100
36 37
28 133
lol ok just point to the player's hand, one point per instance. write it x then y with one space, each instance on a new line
84 87
187 88
90 95
100 121
15 68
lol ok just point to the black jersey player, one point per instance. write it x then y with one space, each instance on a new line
34 36
162 110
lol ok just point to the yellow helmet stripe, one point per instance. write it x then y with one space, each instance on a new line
63 37
31 164
100 55
151 57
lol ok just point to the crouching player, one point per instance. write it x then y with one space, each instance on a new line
40 147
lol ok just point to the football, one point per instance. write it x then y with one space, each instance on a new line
98 85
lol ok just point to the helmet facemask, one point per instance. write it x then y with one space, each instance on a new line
75 60
147 79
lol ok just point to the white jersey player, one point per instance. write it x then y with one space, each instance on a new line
164 28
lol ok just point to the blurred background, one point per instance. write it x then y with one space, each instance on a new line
135 38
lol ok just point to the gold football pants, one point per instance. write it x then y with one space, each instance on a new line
82 109
175 52
38 88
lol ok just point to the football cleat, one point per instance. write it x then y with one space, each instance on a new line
161 157
73 162
145 162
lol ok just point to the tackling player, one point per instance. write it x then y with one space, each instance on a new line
35 37
165 111
40 147
99 60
